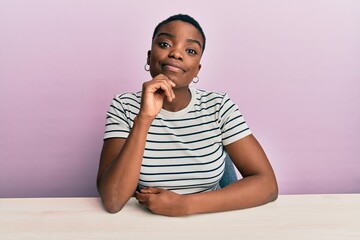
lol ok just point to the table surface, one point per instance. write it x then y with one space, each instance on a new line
289 217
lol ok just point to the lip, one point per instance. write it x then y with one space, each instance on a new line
172 66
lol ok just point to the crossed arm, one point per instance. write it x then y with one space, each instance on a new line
257 187
117 181
121 159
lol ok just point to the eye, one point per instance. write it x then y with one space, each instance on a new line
164 45
191 51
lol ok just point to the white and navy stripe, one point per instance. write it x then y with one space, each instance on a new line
184 150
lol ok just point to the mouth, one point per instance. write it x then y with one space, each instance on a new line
172 67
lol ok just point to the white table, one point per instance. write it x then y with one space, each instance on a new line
289 217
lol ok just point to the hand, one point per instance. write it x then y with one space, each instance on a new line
163 202
153 94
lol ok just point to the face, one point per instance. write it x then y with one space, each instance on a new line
176 52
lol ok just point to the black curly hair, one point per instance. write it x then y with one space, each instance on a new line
184 18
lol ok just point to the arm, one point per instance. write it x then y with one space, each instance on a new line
120 164
257 187
120 160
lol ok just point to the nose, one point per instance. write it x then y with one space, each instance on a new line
175 53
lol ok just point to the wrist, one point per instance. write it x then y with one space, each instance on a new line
144 120
188 208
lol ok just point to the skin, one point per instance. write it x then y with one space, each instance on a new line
174 61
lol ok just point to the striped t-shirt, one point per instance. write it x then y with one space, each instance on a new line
184 150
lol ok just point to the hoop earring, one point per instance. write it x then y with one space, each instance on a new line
147 67
196 79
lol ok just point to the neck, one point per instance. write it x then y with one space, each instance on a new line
181 101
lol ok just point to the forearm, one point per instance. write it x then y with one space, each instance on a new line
119 180
248 192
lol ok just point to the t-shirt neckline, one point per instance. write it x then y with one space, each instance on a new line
183 111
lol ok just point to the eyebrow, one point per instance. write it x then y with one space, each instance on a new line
172 36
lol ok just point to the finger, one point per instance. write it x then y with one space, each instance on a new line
160 87
168 80
151 190
167 86
154 190
172 83
145 190
141 197
168 91
144 203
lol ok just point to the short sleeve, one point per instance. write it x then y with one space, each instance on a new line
117 125
232 123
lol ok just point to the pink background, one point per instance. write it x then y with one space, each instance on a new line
293 67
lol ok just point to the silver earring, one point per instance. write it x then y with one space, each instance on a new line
147 67
196 79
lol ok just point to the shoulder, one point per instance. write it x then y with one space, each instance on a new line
206 96
129 97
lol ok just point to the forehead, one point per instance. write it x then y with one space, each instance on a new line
181 29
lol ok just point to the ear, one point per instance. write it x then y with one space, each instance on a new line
148 57
198 69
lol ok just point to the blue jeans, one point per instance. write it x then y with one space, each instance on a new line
229 173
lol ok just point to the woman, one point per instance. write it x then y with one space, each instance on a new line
166 144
